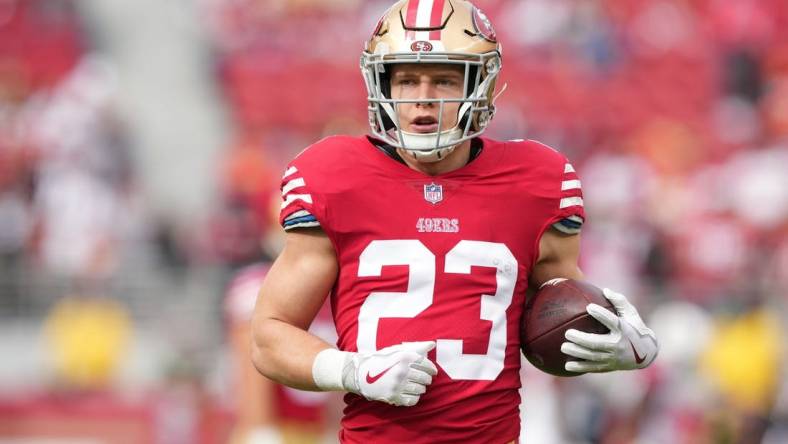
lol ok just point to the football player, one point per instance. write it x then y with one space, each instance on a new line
427 237
266 412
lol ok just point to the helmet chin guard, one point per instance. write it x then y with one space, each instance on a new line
461 36
423 146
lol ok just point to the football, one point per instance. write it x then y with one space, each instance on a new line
560 304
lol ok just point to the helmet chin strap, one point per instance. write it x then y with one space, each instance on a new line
423 146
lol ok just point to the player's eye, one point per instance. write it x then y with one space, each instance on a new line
447 82
405 81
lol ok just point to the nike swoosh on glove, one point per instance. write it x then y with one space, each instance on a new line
629 345
396 375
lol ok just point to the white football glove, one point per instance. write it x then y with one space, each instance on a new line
396 375
629 345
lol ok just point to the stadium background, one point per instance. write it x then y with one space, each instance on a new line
141 144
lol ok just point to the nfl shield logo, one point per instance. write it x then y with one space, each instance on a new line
433 193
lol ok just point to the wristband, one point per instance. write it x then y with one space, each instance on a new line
328 368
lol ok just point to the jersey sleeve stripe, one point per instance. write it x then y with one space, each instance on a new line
568 168
301 225
564 228
293 184
300 220
294 197
571 202
297 208
570 185
296 214
571 223
290 171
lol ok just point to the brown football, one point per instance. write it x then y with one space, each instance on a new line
555 308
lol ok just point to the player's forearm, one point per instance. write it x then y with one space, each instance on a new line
253 393
285 353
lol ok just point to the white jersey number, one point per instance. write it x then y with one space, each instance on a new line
419 296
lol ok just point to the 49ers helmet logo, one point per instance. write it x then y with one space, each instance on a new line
483 25
421 45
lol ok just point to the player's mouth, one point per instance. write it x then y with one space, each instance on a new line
424 124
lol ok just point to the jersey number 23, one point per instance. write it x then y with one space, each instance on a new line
419 296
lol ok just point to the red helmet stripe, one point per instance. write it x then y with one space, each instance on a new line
435 18
410 16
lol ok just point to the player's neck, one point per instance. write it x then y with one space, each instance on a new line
458 158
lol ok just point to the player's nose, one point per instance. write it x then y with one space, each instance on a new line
426 91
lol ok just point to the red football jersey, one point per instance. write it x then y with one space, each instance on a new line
434 258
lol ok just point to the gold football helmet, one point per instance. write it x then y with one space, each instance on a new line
432 31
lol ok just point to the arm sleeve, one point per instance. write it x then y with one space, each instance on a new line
570 214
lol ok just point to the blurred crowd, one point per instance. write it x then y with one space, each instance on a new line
674 112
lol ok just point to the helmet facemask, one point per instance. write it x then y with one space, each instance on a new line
475 111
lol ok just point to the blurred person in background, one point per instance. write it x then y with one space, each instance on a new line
671 402
267 412
248 190
430 68
743 363
89 339
83 179
16 165
83 219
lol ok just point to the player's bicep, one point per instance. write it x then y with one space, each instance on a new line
299 280
558 257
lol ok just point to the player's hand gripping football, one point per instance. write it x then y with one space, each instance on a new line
629 345
396 375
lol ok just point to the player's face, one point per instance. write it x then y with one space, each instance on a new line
420 81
